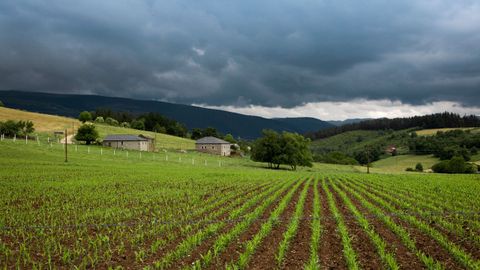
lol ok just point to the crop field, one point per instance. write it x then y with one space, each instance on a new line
118 212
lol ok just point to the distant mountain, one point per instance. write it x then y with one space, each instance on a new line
304 124
348 121
239 125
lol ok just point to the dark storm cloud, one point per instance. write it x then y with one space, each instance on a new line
270 53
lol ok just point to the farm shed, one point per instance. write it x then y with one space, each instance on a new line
213 145
151 142
123 141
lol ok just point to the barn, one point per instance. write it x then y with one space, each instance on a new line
213 145
126 141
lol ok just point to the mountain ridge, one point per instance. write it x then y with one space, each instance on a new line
239 125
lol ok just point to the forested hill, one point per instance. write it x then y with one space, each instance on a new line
239 125
438 120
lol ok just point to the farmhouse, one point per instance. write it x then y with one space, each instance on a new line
213 145
125 141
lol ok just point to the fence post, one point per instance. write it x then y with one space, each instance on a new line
127 153
114 151
193 161
205 162
76 148
26 139
101 151
166 157
140 154
14 137
38 140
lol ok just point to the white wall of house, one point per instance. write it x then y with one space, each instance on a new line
217 149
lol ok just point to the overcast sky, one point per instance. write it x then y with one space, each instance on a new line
331 59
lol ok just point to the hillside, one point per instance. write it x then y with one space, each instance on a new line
239 125
353 141
47 124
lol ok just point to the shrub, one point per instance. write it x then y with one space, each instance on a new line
125 124
419 167
111 121
455 165
409 169
99 119
138 124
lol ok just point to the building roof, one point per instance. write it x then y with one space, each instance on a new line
123 137
211 140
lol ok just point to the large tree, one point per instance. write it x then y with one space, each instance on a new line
285 148
85 116
87 133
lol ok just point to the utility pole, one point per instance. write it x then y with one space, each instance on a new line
367 153
66 156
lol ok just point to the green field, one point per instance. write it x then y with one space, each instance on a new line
401 162
147 211
162 140
433 131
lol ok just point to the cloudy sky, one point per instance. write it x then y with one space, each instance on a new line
331 59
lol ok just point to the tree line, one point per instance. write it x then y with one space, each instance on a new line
11 128
148 121
438 120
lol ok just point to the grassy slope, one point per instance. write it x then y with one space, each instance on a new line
163 140
429 132
401 162
352 141
45 123
42 122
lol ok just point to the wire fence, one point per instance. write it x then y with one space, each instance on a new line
182 156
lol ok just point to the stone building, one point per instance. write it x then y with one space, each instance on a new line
213 145
126 141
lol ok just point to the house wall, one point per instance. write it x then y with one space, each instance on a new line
131 145
217 149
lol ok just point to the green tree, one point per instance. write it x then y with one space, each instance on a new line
419 167
196 134
159 128
125 125
229 138
138 124
286 148
85 116
87 133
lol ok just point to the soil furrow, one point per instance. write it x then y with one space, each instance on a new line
331 249
180 237
232 252
299 252
207 244
405 258
463 242
367 254
423 241
264 257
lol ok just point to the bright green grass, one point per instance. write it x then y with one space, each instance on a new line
433 131
99 208
401 162
163 140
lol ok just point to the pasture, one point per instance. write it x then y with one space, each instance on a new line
131 211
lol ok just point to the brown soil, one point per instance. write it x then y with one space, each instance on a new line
233 251
463 242
299 250
171 245
367 255
207 244
264 257
405 258
331 248
423 242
